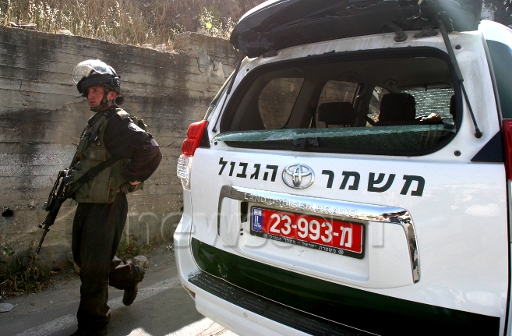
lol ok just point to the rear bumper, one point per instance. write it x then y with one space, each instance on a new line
278 301
239 310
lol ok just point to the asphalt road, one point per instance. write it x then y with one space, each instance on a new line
162 307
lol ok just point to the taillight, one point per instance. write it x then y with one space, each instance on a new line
507 135
194 136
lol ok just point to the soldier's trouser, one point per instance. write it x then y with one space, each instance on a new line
97 230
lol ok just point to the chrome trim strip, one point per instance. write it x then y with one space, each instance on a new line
322 206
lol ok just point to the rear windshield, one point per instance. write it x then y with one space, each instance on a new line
380 103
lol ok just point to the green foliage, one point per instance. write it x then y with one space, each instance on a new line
130 247
213 25
501 10
20 275
133 22
119 21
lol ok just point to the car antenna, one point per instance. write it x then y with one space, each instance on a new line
230 86
458 73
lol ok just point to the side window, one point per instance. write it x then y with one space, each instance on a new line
411 106
337 91
277 100
433 101
330 113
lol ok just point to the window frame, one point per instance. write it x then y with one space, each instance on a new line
410 52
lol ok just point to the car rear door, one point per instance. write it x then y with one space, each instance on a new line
365 223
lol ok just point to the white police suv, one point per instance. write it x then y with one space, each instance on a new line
352 176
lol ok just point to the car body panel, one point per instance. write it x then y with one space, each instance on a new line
444 181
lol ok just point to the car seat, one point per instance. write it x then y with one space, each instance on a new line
337 113
397 109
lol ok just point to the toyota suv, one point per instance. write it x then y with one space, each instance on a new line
352 176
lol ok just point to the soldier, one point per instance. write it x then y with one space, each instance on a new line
133 156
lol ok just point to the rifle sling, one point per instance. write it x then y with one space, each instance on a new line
91 173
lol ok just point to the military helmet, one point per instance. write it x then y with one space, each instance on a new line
95 72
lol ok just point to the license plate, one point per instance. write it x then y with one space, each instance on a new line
326 234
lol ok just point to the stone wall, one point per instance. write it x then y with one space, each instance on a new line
42 116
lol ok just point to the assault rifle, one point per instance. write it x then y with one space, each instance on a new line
60 192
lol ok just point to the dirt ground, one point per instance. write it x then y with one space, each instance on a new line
66 284
162 307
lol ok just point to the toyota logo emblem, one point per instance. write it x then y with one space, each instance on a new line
298 176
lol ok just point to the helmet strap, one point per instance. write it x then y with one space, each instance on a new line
104 103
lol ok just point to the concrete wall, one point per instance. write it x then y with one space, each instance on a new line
42 116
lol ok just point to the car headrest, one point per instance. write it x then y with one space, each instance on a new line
337 113
397 107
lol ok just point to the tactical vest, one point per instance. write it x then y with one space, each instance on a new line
91 151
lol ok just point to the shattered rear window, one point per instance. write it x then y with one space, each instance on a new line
380 103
